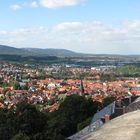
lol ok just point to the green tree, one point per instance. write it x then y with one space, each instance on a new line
20 136
83 124
108 100
74 110
16 86
29 119
5 90
107 77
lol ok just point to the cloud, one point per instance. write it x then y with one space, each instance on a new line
34 4
87 37
59 3
68 26
15 7
52 4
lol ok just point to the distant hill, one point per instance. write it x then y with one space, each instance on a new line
24 52
50 52
61 56
7 50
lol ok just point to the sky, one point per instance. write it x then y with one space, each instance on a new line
87 26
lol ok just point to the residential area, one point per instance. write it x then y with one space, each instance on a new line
46 86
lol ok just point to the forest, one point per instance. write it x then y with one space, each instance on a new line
26 122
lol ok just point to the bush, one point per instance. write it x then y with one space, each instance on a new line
84 124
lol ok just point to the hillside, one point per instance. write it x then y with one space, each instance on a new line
7 50
49 55
50 52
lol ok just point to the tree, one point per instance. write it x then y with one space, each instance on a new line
5 90
28 123
107 77
16 86
29 119
23 123
108 100
84 124
93 107
73 110
20 136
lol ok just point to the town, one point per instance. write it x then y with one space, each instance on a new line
69 70
46 86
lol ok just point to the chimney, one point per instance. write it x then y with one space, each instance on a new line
124 109
130 100
107 118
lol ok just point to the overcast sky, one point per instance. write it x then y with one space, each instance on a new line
88 26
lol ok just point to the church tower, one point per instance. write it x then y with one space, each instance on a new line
81 88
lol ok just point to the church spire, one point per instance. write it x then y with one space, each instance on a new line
81 88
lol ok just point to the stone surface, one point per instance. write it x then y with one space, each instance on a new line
125 127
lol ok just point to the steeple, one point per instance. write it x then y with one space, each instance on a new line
81 88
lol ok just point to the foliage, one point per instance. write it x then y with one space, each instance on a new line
20 136
108 100
84 124
22 123
28 123
5 90
16 86
74 110
63 73
107 77
85 74
128 71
